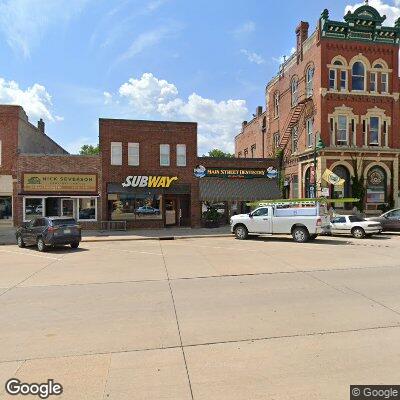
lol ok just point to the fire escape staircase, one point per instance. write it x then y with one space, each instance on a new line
291 121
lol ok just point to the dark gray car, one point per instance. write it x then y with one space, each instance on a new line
390 220
49 231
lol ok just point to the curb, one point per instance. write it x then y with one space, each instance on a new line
122 239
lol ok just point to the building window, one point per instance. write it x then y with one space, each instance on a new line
246 153
384 83
309 81
332 79
5 207
342 131
253 151
358 76
276 140
373 137
294 138
309 132
343 80
181 155
87 209
128 206
240 154
373 83
164 155
116 153
276 104
133 154
376 185
33 207
0 153
295 91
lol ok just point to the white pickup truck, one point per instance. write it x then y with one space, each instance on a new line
303 223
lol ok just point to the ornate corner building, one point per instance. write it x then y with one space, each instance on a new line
341 86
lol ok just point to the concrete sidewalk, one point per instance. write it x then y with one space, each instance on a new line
7 235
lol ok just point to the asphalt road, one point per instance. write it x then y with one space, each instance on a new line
202 319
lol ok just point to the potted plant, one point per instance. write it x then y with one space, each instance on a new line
211 217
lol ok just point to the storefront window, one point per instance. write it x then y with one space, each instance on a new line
87 208
33 208
129 207
5 207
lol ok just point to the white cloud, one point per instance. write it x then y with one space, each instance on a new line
392 12
35 100
150 97
24 23
245 28
146 40
253 57
281 59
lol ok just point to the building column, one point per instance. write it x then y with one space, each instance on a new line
300 181
396 181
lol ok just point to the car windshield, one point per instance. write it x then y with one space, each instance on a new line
59 222
353 218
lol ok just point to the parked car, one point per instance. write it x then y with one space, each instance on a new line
147 210
354 226
390 220
303 223
49 231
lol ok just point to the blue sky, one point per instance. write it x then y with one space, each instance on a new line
74 61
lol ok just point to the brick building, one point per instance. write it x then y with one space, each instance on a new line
341 86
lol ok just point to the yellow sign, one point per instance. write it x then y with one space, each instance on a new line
149 181
60 183
332 178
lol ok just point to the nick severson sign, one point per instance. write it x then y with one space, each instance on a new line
60 182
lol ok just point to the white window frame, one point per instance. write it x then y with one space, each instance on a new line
369 131
178 162
133 159
24 205
276 140
334 79
112 157
295 138
342 71
309 81
373 83
346 141
309 134
165 146
295 91
385 85
359 76
276 104
78 208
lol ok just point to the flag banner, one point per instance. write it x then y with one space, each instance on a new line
332 178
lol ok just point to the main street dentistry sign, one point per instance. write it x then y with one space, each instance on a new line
241 173
149 181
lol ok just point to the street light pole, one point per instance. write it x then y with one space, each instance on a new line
317 147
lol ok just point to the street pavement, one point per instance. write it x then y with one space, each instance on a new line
205 318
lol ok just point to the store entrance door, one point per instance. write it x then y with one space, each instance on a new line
67 208
5 210
177 210
171 211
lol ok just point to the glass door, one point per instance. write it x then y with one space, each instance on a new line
67 208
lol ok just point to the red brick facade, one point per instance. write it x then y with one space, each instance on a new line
312 97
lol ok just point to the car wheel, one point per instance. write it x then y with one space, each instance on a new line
241 232
40 245
300 235
313 237
20 241
358 233
75 245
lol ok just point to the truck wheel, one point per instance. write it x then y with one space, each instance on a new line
300 234
241 232
358 233
313 237
20 241
40 245
75 245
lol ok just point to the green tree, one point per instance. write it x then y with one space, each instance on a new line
216 153
89 150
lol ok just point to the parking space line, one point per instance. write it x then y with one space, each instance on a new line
29 253
129 251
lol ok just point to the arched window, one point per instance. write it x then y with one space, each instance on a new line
309 81
276 104
295 91
376 185
309 183
358 76
341 191
337 62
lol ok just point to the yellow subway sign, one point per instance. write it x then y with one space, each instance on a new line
149 181
42 182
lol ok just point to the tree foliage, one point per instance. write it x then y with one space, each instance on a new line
89 150
216 153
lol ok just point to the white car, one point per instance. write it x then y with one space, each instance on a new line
354 226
